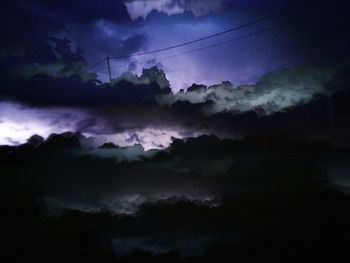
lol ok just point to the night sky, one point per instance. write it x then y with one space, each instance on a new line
221 133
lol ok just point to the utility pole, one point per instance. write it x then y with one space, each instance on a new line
331 118
109 71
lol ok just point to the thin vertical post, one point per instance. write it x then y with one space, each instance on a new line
331 119
109 71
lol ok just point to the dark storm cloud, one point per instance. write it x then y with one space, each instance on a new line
198 194
23 22
104 38
320 27
72 90
38 27
203 169
124 187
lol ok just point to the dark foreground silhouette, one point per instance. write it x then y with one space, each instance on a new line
283 205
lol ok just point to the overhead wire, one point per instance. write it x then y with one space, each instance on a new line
199 39
201 48
187 43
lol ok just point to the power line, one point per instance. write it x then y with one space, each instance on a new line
200 39
96 64
222 43
188 43
206 47
99 67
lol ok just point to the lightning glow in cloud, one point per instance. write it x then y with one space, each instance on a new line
18 123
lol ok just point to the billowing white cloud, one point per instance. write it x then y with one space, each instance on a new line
142 8
273 93
149 138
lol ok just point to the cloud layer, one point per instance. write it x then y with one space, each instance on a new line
275 92
142 8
